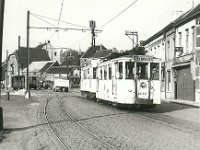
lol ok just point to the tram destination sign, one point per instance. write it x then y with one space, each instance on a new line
143 58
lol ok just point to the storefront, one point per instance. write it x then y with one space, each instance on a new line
184 84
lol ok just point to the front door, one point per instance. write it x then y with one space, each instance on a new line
185 84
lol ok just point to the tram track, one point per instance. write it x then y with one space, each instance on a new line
51 128
170 121
108 145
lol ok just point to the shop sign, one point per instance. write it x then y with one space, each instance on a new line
182 59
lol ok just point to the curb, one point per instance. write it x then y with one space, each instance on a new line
182 103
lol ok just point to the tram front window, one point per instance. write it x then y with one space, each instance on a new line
154 71
142 70
129 70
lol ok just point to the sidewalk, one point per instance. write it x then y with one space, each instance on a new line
18 123
183 102
183 109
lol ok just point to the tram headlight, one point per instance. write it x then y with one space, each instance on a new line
143 85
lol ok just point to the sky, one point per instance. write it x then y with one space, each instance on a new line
145 16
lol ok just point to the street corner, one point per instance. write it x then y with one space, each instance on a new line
188 111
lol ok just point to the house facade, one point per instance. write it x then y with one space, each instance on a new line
181 54
88 55
17 61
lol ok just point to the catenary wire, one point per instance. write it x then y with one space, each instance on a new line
43 20
118 14
60 13
60 21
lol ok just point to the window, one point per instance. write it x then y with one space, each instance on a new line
169 79
109 72
94 73
84 74
198 36
120 69
168 44
130 70
12 69
180 38
187 40
55 53
154 71
142 70
193 38
101 73
105 72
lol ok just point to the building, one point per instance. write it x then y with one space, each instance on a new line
88 55
178 44
17 61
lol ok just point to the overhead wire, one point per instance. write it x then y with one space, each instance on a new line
43 20
60 12
78 41
118 14
107 21
169 10
60 21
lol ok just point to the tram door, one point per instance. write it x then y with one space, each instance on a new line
142 80
155 81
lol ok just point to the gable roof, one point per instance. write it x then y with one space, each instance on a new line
48 65
58 70
37 66
92 50
35 54
184 18
100 54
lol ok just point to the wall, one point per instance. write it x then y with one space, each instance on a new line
169 71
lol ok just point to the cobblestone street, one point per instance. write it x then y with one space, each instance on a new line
85 124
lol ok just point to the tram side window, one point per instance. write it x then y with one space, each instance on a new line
88 73
109 72
130 70
101 73
84 74
154 71
94 73
105 72
142 70
120 70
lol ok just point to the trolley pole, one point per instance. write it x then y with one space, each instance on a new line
27 94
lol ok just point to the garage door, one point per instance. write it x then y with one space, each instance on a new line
185 84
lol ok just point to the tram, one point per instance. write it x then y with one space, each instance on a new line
127 80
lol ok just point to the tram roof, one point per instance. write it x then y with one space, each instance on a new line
138 58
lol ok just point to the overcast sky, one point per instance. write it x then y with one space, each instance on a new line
145 16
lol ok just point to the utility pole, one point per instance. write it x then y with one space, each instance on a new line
27 94
92 27
6 76
2 3
134 37
19 43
